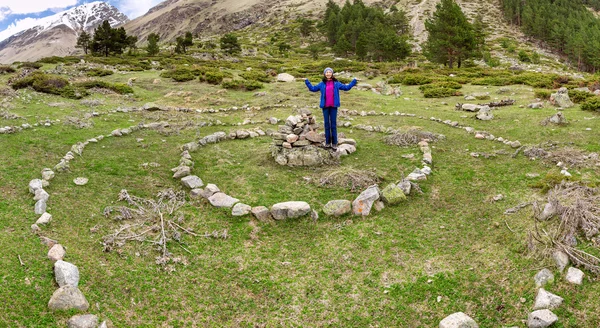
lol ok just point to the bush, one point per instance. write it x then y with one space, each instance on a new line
440 92
592 104
524 57
30 65
492 80
578 96
51 84
5 69
416 79
445 84
242 85
256 76
117 87
212 77
99 72
179 75
542 94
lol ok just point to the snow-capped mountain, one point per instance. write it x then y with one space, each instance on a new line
56 35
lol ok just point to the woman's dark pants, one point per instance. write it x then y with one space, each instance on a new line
330 122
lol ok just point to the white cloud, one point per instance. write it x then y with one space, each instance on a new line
136 8
19 7
18 26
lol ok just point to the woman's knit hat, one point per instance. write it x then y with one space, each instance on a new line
328 69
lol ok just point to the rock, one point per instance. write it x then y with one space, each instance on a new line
83 321
541 319
40 207
116 133
35 228
292 209
378 206
405 186
291 138
470 98
337 207
41 194
561 259
220 200
103 325
470 107
210 190
57 252
67 298
34 185
458 320
80 181
546 300
293 120
346 149
561 98
242 134
536 105
574 276
543 277
515 144
314 215
261 213
392 194
44 219
241 209
66 273
416 175
182 171
285 77
192 182
47 174
363 203
548 212
273 120
558 118
485 113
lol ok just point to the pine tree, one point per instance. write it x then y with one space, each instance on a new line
131 43
103 39
83 41
451 38
153 48
479 35
230 44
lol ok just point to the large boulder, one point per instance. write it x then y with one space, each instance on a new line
485 113
289 210
561 98
285 77
541 319
546 300
66 274
364 202
337 207
458 320
392 194
221 199
68 297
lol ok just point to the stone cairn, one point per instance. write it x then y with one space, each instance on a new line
297 143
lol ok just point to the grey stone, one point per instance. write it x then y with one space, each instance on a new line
363 203
41 194
515 144
66 273
289 210
378 206
192 182
346 149
242 134
80 181
47 174
190 146
83 321
182 171
103 325
241 209
416 175
209 190
546 300
458 320
470 107
392 194
40 207
574 276
221 200
35 228
561 259
558 118
34 185
261 213
543 277
293 120
57 252
44 219
541 319
485 113
561 98
197 192
337 207
116 133
285 77
536 105
405 186
68 297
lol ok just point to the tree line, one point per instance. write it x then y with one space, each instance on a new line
564 25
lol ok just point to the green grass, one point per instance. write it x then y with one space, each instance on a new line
387 269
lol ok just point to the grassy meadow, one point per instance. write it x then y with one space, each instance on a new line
446 250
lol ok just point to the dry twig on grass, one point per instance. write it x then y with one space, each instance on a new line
347 177
578 211
410 138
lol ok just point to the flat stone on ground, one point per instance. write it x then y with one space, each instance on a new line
67 298
221 199
83 321
458 320
574 276
289 210
337 207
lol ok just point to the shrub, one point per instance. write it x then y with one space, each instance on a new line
440 92
550 180
542 94
179 75
242 85
578 96
256 76
444 84
592 104
51 84
491 80
524 57
416 79
117 87
4 69
212 77
30 65
99 72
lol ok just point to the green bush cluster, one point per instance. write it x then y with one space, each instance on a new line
256 76
442 84
440 92
30 65
416 79
542 94
99 72
578 96
116 87
242 85
5 69
592 104
212 77
52 84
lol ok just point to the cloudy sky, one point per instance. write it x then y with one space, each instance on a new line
19 15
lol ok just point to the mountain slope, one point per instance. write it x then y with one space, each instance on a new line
56 35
